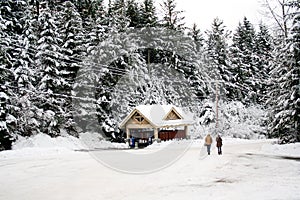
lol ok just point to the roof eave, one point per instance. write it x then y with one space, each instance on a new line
123 123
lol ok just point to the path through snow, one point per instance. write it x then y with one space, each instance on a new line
243 172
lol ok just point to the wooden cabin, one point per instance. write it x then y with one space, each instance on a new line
164 122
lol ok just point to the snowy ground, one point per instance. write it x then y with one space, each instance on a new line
246 170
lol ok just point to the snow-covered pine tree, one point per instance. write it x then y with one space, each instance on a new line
6 77
172 18
88 9
285 97
10 28
71 39
118 20
197 37
166 51
95 25
121 15
127 92
71 35
263 56
148 16
24 59
243 64
6 137
88 85
25 72
217 56
51 84
132 12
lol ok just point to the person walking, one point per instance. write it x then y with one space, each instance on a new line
219 144
208 142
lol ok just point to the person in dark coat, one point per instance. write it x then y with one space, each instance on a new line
219 144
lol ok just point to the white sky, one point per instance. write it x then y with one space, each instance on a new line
202 12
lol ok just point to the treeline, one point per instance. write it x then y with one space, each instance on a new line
50 52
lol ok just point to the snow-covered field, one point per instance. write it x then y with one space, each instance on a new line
253 169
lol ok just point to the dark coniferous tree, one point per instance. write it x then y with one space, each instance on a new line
172 18
262 60
51 84
285 95
242 64
197 37
6 137
118 19
217 56
95 28
71 44
11 13
26 78
132 12
148 16
87 9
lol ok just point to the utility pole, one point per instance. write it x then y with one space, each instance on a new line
217 102
148 56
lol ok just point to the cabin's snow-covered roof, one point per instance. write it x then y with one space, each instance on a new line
156 115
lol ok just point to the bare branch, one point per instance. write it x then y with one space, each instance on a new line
274 14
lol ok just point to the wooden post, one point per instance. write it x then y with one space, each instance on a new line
186 130
127 133
155 133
